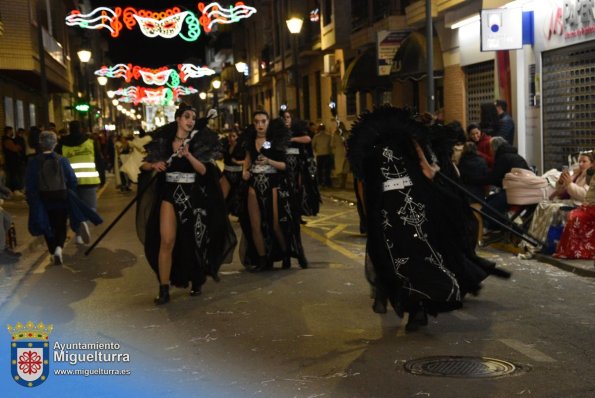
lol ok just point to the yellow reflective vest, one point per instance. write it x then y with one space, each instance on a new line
82 160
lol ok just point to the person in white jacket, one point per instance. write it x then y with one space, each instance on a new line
132 165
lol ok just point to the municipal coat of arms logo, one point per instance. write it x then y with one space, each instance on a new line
30 353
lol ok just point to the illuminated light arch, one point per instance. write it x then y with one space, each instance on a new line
157 77
167 24
214 13
153 95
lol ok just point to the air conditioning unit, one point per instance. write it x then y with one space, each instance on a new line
329 64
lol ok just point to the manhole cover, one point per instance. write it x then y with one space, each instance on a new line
454 366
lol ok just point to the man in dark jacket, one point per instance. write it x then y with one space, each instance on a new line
505 126
506 158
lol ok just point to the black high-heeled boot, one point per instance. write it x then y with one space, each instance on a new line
163 295
303 262
196 289
417 317
286 261
262 264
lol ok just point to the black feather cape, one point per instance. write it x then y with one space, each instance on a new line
411 252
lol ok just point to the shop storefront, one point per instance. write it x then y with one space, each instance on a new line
565 48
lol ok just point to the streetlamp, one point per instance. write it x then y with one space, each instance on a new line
216 83
294 25
242 69
85 56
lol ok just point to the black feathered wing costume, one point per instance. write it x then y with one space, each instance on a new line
412 259
263 184
204 238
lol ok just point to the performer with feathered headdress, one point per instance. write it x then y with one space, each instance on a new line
270 228
180 220
414 259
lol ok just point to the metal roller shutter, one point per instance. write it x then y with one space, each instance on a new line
568 103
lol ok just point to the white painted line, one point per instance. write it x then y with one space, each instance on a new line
527 350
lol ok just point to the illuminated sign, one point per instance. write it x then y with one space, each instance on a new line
501 29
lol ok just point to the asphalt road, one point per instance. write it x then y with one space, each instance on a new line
294 333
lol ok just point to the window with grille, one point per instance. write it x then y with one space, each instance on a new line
568 97
479 79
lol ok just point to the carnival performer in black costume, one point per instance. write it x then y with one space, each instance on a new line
185 229
270 229
414 257
301 167
231 180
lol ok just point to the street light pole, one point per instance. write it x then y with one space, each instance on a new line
85 57
216 83
295 27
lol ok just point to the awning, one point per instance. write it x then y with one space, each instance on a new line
362 74
410 60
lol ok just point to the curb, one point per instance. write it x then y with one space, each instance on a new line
590 273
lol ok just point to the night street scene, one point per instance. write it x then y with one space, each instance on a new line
297 199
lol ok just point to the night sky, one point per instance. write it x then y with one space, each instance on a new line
131 46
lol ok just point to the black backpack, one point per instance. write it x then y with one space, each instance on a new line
52 183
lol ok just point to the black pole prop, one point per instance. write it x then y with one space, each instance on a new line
132 202
512 227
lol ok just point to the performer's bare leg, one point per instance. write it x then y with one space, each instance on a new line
225 186
167 229
254 213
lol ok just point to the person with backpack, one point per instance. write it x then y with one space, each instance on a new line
50 192
84 156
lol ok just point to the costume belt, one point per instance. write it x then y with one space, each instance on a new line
396 183
263 168
292 151
234 169
180 178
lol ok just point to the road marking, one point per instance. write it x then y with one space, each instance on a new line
527 350
101 190
336 230
319 220
464 316
331 244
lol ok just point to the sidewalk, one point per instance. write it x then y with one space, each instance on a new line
33 249
579 267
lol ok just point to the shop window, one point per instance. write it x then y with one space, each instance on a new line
327 13
479 79
351 103
306 96
8 112
318 96
32 115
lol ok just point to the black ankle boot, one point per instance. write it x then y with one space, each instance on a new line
417 317
196 289
163 295
286 261
262 264
303 261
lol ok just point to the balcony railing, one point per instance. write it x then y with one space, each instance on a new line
53 47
